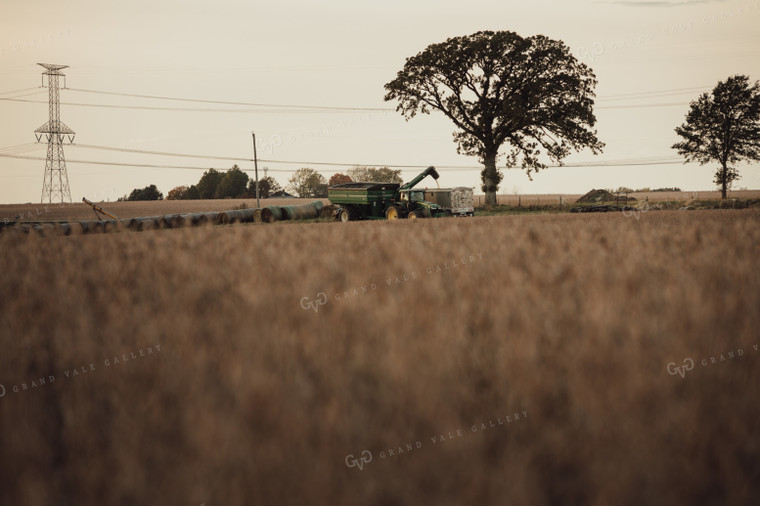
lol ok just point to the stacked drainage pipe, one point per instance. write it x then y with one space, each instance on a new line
267 214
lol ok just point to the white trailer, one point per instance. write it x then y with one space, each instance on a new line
458 201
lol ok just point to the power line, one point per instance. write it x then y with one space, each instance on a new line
32 145
234 159
18 91
621 163
639 106
653 94
633 161
118 164
466 167
38 92
190 109
281 108
286 110
227 102
622 96
22 148
163 153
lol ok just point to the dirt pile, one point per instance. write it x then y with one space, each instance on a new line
603 196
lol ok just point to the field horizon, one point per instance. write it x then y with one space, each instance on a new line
76 211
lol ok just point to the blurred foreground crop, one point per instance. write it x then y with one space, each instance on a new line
494 360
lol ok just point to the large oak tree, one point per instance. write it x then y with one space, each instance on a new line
724 127
500 88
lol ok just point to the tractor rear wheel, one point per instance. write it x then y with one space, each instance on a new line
348 213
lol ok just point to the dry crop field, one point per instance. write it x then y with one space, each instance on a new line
531 359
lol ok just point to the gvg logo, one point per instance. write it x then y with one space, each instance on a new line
365 458
269 147
641 207
320 300
591 53
688 365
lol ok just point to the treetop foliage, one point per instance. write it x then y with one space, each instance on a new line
723 126
232 185
339 179
499 87
308 183
375 175
148 193
267 187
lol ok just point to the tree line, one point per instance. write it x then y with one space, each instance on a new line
232 184
236 184
308 183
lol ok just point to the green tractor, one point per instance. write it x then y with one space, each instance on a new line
377 201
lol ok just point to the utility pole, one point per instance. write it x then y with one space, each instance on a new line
256 169
55 182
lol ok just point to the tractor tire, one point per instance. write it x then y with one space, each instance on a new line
348 213
393 212
414 215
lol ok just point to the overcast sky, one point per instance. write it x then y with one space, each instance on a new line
650 57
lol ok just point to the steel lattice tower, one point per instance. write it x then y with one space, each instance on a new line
56 179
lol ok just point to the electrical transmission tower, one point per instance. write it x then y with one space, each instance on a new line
56 181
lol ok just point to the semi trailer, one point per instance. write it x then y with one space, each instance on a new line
457 201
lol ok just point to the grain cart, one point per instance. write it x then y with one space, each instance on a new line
377 201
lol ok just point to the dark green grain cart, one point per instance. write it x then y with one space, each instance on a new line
362 201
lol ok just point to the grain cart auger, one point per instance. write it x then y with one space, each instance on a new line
377 201
99 209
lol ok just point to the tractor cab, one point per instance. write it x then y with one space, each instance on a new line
416 205
409 196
